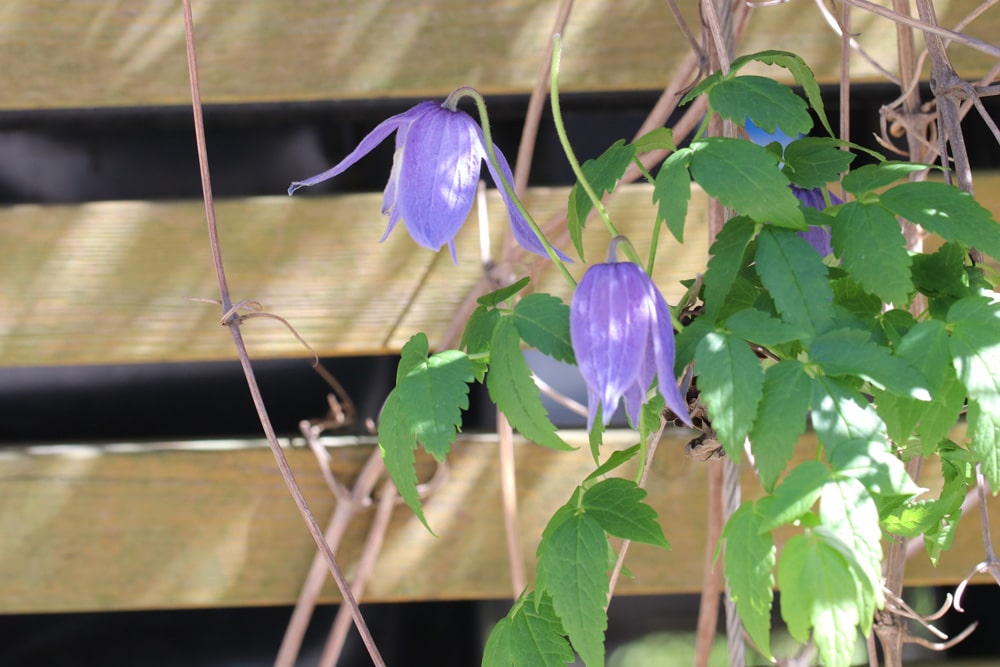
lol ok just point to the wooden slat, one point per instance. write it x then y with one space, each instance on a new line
180 525
112 282
131 52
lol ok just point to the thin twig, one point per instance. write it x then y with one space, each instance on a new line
508 495
234 329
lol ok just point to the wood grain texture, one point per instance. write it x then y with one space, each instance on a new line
131 53
210 524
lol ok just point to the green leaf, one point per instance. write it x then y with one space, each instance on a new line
796 277
796 494
543 322
603 173
672 189
397 443
514 392
875 176
497 297
730 379
812 162
617 505
877 468
781 419
758 327
660 139
942 273
478 336
497 652
804 77
975 347
724 265
840 415
433 394
575 564
769 104
851 352
704 85
947 211
871 246
984 438
616 459
748 563
819 591
533 635
746 178
846 508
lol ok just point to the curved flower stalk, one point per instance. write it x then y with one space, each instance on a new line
622 337
435 169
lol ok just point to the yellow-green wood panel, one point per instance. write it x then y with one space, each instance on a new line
60 54
211 524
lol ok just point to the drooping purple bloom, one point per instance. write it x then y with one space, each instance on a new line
819 236
622 337
435 170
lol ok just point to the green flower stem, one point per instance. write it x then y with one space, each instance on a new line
655 242
568 150
451 102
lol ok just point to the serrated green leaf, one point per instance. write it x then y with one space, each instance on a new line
895 324
819 591
975 347
746 178
497 297
748 563
686 342
651 416
596 435
877 468
704 85
575 567
874 176
397 443
840 415
796 278
724 265
672 190
851 352
603 173
433 394
946 211
804 77
871 246
659 139
543 322
984 438
616 459
730 379
758 327
915 518
535 636
812 162
497 652
796 494
940 417
477 338
510 386
781 419
942 273
617 505
847 509
849 294
769 104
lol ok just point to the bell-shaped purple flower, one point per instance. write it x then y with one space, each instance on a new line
622 337
435 170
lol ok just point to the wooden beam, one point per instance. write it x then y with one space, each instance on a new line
132 54
175 525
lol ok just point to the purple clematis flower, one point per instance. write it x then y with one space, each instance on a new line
435 170
622 337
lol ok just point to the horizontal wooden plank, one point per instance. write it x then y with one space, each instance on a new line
132 53
113 282
211 524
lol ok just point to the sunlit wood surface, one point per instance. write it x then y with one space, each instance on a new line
211 524
131 52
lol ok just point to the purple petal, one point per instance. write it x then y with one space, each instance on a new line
662 333
818 237
609 325
438 172
371 140
519 226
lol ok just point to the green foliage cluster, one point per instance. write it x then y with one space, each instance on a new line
784 338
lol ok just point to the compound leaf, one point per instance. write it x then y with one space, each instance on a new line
617 505
543 322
